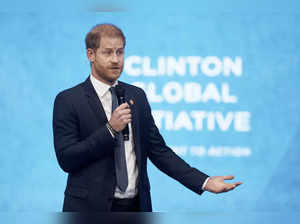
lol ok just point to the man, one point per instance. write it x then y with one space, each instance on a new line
106 171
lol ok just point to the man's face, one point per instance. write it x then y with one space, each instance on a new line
108 60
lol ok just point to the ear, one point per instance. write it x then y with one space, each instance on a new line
91 54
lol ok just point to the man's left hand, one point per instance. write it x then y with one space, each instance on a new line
217 185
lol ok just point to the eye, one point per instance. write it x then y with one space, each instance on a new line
106 52
120 52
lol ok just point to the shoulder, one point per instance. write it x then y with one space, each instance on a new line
70 98
72 92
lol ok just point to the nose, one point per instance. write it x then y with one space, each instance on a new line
114 58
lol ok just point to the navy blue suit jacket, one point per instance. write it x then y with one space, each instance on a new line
84 149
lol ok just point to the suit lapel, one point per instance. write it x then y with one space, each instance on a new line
94 101
98 109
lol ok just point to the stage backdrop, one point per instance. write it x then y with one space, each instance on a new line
222 80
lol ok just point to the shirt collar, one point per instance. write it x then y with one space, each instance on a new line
101 87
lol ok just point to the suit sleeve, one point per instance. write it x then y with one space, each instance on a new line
166 160
72 152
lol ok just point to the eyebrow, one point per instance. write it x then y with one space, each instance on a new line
107 48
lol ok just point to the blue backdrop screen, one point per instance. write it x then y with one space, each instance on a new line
222 81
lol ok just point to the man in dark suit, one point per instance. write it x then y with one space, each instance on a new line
106 171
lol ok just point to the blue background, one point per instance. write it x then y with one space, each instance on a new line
42 52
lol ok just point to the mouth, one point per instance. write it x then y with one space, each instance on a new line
114 68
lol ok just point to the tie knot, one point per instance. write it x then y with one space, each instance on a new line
112 90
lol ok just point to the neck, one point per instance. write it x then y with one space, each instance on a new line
110 83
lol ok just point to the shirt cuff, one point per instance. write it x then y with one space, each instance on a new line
110 130
112 134
204 184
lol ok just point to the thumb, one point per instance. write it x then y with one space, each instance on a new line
228 177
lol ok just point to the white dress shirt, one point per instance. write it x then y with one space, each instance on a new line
104 95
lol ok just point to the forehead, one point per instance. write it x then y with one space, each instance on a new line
111 42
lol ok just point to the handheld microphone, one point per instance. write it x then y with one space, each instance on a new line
120 92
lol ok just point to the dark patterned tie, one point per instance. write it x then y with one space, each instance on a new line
120 159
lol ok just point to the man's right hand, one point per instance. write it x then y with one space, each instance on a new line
120 117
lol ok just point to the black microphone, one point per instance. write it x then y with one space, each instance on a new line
121 99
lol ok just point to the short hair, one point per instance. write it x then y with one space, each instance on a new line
92 39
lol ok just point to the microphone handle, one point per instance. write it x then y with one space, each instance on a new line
125 131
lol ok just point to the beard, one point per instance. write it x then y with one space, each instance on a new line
107 74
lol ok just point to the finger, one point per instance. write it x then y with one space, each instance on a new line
126 121
229 187
125 117
229 177
122 106
237 183
124 112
